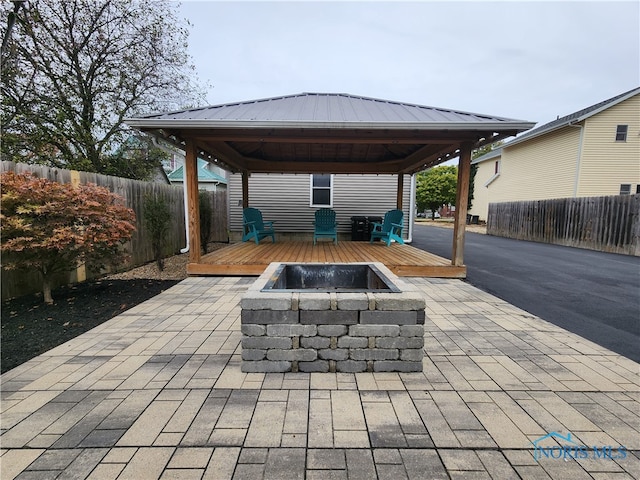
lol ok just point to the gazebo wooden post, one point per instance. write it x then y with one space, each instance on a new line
245 189
191 177
462 194
400 191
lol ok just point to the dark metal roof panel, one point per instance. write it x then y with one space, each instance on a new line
329 108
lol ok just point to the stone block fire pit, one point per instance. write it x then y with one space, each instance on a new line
339 317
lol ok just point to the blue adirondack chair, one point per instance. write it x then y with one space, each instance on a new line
389 229
325 225
254 227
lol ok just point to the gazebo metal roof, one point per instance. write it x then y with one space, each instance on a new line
324 132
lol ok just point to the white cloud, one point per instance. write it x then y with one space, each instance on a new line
526 60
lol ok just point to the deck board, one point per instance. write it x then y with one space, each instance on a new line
250 259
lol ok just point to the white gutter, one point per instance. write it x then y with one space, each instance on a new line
492 126
184 189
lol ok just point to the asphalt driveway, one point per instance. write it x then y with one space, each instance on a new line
593 294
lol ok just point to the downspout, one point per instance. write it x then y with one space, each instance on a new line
154 140
412 207
576 180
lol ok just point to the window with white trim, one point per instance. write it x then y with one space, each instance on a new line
621 133
321 190
625 189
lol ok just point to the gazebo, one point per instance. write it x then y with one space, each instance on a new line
327 133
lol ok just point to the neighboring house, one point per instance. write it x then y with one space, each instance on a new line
210 177
592 152
175 160
159 176
292 199
137 145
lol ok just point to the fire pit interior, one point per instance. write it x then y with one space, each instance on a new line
330 278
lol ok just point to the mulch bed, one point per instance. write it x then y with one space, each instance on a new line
30 327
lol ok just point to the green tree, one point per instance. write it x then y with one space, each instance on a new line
53 227
472 185
138 157
157 219
74 70
436 187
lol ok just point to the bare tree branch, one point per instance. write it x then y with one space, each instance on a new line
76 69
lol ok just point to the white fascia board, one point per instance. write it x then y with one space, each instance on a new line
531 136
488 156
607 106
204 124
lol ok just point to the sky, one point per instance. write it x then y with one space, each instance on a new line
531 61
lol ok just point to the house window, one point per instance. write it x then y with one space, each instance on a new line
637 189
321 190
496 173
621 133
625 189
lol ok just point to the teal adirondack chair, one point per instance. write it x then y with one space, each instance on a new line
325 225
254 227
389 229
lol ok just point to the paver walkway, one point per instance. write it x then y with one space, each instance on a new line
157 392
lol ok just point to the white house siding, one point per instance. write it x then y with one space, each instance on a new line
285 198
606 164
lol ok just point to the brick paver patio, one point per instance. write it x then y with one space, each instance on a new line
157 393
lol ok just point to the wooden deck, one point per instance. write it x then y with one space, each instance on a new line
250 259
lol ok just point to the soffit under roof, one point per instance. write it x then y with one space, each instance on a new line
337 133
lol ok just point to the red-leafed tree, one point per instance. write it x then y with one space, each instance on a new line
53 227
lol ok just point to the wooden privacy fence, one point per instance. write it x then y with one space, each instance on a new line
134 192
607 224
219 226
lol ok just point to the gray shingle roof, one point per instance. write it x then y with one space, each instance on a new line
330 110
575 117
488 156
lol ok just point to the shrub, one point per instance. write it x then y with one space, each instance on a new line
53 227
157 218
206 219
